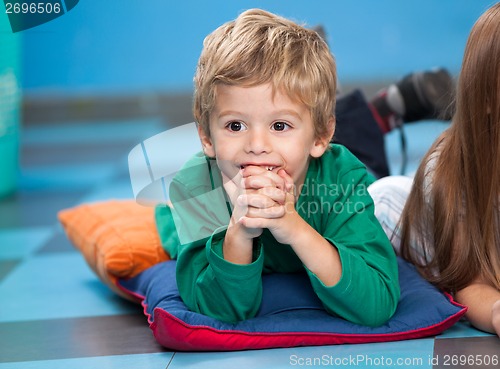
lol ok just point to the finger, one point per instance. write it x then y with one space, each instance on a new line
264 180
231 188
254 223
251 171
289 184
258 169
275 194
272 212
261 181
256 200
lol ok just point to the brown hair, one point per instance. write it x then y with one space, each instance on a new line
458 217
260 47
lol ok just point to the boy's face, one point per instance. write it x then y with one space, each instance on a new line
250 126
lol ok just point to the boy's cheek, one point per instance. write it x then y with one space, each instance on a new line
229 172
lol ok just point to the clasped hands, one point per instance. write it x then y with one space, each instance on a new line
261 199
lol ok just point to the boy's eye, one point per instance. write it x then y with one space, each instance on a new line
235 126
280 126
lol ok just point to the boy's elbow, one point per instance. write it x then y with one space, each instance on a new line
377 318
382 310
381 317
384 304
385 310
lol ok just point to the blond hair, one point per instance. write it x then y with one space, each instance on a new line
260 47
462 222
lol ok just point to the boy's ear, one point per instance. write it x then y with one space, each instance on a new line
206 142
321 143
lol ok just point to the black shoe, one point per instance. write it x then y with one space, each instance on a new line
427 95
419 96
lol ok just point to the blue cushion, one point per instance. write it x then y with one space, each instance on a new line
290 314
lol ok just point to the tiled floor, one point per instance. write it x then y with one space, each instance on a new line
55 313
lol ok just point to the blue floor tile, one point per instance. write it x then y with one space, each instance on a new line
147 361
21 242
57 286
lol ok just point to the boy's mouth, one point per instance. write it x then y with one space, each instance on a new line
265 166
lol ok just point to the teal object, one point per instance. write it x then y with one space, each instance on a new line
10 102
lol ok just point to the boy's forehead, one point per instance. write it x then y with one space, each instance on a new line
239 93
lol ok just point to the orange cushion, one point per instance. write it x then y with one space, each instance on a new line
118 238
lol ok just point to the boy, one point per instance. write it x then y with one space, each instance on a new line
269 193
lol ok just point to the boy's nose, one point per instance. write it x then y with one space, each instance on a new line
258 142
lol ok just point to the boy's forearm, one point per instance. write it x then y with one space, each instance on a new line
237 248
317 254
483 302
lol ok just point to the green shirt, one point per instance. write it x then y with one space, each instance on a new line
334 201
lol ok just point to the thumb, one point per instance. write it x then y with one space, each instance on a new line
289 185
